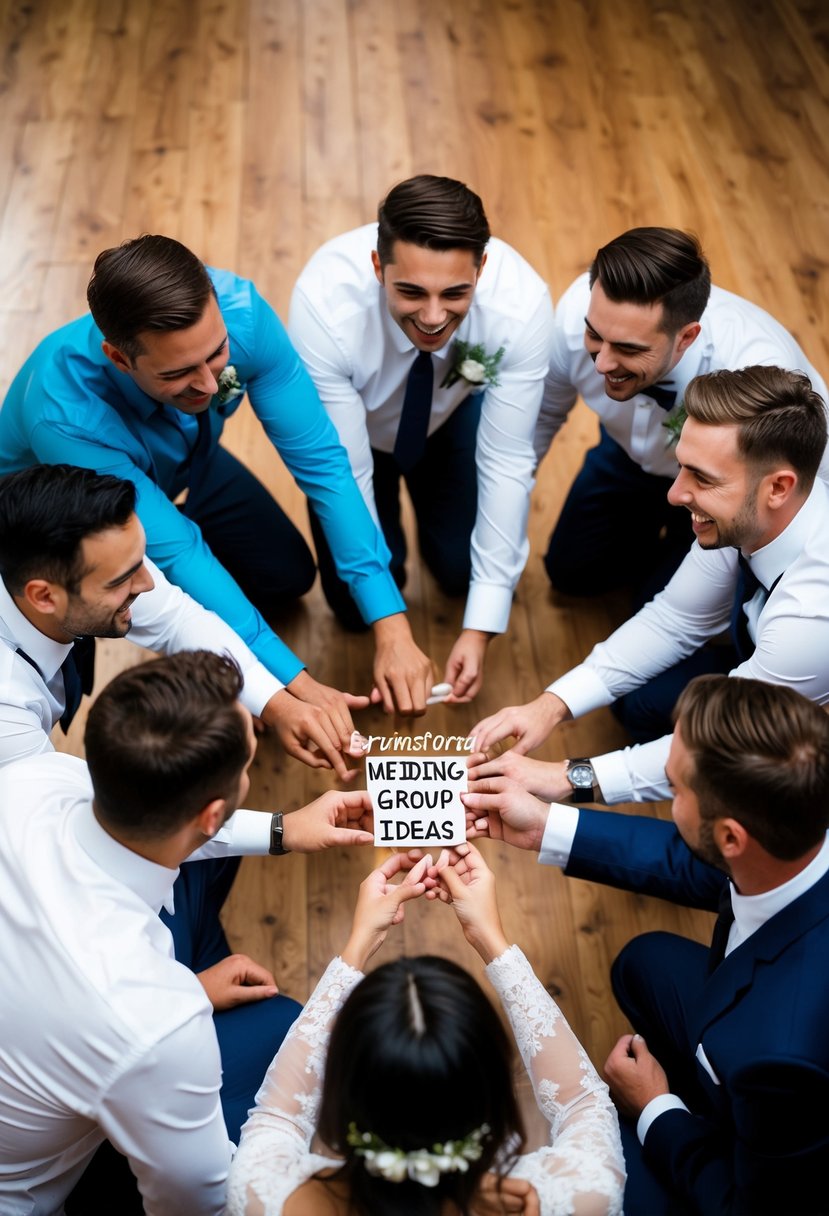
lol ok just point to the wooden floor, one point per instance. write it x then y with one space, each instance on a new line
255 130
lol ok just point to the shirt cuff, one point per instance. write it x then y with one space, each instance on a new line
655 1108
377 596
612 777
488 608
559 834
247 833
258 688
581 690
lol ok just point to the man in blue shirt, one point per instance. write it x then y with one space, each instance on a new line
141 388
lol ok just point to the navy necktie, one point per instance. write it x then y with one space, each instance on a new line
78 677
746 589
722 928
410 443
201 450
665 398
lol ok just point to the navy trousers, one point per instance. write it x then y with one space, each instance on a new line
617 529
646 712
443 487
248 1035
656 979
250 534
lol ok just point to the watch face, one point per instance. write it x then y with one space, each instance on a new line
581 776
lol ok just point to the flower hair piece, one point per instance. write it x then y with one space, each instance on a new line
421 1165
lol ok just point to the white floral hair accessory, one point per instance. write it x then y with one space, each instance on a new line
472 364
229 385
421 1165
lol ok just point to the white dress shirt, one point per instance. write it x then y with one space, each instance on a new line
360 358
791 632
735 334
104 1034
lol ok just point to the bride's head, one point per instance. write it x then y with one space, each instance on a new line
418 1058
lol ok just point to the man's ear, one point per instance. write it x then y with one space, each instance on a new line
378 269
117 357
731 838
480 268
686 336
778 486
210 819
44 596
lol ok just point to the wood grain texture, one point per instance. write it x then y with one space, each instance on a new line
254 130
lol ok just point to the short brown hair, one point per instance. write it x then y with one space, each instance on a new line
151 283
780 416
656 266
761 756
163 740
433 212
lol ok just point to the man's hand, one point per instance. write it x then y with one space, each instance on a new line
403 674
336 818
545 779
313 722
380 904
513 1195
236 980
465 665
634 1075
466 881
528 724
503 810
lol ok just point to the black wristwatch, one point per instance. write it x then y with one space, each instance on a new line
277 848
581 776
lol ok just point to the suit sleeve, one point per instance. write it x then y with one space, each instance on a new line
776 1160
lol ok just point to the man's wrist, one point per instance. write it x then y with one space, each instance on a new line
278 847
395 625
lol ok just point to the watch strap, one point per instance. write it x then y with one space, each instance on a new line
277 848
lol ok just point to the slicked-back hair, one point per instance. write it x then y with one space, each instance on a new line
781 419
46 512
418 1056
149 284
434 213
163 740
656 266
761 756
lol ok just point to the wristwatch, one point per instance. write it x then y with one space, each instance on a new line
581 776
277 848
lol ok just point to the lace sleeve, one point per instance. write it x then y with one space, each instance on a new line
581 1172
274 1155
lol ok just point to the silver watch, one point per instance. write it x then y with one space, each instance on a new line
581 776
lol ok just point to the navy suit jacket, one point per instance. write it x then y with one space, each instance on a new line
761 1145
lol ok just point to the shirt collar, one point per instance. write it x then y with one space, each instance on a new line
149 881
752 911
769 562
42 650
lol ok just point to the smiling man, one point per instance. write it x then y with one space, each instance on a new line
630 336
429 343
142 387
749 454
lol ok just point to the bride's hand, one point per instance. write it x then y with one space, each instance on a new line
380 904
514 1195
466 881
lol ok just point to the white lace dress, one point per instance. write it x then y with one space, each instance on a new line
580 1171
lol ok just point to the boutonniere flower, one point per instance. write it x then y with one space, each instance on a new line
673 424
229 386
472 364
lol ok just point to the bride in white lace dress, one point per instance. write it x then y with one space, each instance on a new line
392 1094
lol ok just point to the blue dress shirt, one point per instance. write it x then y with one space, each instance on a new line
70 404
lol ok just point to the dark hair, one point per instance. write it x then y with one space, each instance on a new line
151 283
46 512
779 415
418 1057
433 212
656 266
761 756
163 740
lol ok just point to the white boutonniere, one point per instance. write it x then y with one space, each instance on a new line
673 424
472 364
229 386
